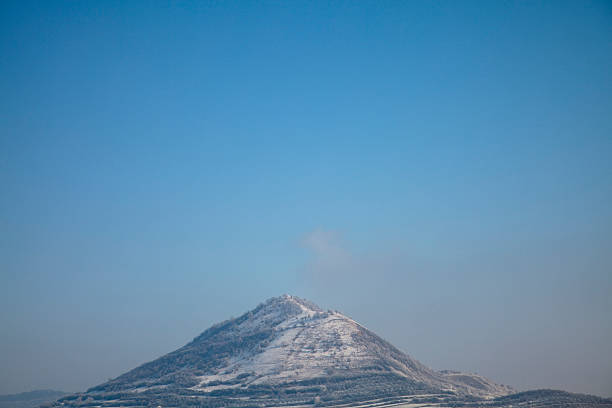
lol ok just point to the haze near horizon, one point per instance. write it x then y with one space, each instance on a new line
438 171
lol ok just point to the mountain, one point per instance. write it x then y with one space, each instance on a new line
289 352
29 399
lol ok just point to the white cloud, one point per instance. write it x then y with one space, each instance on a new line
330 256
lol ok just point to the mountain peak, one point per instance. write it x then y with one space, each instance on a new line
293 302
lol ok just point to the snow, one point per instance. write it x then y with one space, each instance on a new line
305 344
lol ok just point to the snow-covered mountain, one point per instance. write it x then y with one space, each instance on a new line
287 351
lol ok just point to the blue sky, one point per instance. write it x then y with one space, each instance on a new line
440 171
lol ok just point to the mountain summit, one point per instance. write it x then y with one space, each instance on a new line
286 351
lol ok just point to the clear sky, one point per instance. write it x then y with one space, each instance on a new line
441 171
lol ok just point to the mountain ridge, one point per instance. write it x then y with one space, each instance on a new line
30 399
